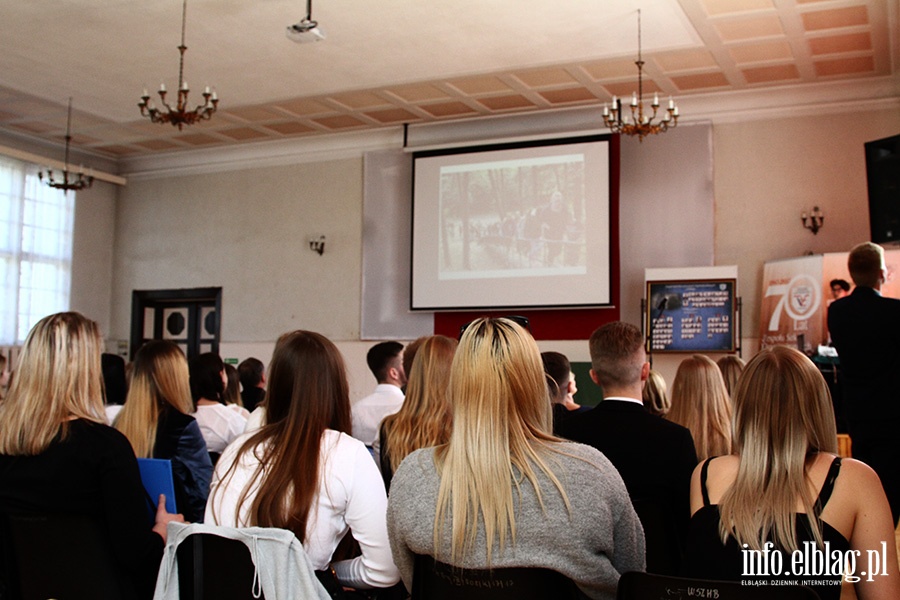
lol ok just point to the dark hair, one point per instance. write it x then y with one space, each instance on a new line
114 380
409 353
379 358
558 370
251 372
232 393
206 377
308 393
843 284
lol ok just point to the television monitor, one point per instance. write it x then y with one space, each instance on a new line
883 176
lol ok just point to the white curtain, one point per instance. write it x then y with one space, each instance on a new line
36 224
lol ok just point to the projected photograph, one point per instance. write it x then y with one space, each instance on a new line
511 218
523 224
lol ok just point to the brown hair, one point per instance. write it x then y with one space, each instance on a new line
424 419
307 394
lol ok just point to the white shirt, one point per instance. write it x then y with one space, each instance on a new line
256 420
367 414
219 425
350 496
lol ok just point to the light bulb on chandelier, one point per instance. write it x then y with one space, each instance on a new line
179 115
640 122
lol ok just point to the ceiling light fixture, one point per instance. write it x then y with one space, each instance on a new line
79 181
639 123
306 30
179 116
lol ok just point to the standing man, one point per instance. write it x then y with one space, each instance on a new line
655 457
385 360
252 373
865 330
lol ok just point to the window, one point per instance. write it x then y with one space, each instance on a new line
35 249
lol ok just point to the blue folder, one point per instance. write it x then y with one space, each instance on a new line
156 475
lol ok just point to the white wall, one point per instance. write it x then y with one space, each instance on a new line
247 230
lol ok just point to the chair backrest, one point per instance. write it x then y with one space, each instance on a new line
433 580
59 556
211 567
640 586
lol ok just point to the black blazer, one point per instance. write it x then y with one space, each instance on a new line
865 329
655 458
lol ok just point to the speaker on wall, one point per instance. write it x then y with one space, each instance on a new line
883 176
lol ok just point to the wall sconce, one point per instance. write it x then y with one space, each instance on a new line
814 220
317 244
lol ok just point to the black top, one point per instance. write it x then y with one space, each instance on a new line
251 397
656 459
93 472
178 438
709 559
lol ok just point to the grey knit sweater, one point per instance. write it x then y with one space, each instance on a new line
601 537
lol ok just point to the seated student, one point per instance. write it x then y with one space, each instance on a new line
424 420
57 455
561 386
385 360
731 367
503 491
115 384
156 420
786 485
252 373
700 402
654 395
219 424
232 396
303 472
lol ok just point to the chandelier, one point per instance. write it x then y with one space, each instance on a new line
179 115
641 123
79 180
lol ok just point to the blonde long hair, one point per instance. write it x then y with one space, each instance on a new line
159 378
501 424
783 415
57 378
700 402
424 419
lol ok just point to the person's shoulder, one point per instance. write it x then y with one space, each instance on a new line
99 437
582 457
417 464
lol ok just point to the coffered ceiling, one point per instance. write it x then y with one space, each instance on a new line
389 62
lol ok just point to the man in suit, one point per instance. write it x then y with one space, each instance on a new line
655 457
865 330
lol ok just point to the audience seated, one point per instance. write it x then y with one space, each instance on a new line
700 402
232 395
385 360
252 373
654 394
424 419
156 420
654 457
785 486
503 491
561 385
731 367
57 455
219 424
115 384
303 472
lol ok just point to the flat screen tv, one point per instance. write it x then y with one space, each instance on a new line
883 176
519 225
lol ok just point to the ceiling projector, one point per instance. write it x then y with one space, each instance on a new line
305 31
